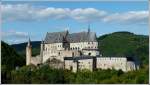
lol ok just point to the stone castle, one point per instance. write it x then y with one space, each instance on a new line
76 51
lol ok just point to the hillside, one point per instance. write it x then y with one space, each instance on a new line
114 44
10 58
20 48
125 44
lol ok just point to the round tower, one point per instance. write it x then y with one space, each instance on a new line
28 53
42 50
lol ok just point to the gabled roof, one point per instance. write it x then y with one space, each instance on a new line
55 37
82 37
58 37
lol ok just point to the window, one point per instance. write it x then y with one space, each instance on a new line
104 64
71 68
78 48
58 53
89 54
73 54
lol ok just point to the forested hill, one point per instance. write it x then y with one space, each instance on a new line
10 58
20 48
125 44
114 44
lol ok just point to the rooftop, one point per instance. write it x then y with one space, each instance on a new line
59 37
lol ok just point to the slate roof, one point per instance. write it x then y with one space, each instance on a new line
81 37
57 37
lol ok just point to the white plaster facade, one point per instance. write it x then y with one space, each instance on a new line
112 62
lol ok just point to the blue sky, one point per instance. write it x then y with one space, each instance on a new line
23 19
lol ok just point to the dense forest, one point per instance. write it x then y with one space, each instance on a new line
114 44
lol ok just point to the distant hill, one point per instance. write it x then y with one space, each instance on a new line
20 48
125 44
114 44
10 58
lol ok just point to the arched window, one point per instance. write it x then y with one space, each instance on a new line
80 53
72 53
58 53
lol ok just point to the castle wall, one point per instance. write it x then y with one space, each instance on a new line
112 62
36 60
90 52
67 53
83 45
51 50
68 64
85 64
130 66
79 64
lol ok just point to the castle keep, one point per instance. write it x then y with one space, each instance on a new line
76 51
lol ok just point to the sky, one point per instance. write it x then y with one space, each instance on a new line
21 20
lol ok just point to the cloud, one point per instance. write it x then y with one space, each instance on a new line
87 15
140 17
14 36
26 12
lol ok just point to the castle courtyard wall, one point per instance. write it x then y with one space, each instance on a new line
112 63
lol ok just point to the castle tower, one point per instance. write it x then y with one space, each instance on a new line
42 50
28 53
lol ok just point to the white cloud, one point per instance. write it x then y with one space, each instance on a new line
88 14
139 17
26 12
14 36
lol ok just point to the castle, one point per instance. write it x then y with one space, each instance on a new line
76 51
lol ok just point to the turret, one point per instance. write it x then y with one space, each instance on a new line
88 33
42 50
28 53
89 29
